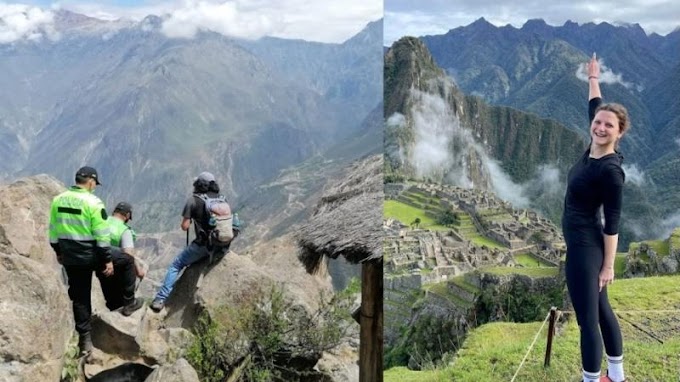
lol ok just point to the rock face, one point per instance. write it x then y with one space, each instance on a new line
180 371
24 215
35 312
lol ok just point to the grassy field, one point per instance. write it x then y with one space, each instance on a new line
493 352
533 272
527 260
481 240
407 214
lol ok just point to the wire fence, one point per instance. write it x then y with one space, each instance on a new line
560 312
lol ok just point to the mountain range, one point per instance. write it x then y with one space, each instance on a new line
437 133
151 112
534 67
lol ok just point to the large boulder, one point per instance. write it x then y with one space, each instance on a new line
224 283
180 371
24 217
35 320
35 312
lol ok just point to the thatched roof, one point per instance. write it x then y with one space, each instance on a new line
348 220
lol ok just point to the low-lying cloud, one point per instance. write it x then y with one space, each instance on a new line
669 224
634 174
227 18
19 22
434 125
607 76
443 150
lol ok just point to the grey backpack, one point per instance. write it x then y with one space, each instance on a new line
220 229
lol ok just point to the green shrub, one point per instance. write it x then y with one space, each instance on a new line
255 340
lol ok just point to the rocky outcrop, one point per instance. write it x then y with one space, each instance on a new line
35 311
24 216
654 258
180 371
36 319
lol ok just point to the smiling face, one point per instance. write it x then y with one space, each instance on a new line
605 130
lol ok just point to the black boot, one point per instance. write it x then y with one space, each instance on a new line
132 307
85 344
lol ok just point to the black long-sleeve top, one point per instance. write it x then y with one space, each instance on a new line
592 183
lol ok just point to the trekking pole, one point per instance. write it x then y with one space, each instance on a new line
188 233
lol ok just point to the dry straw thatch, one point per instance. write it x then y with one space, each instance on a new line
348 220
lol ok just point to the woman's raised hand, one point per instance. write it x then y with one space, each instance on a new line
593 67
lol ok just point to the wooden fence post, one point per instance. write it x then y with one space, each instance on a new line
551 334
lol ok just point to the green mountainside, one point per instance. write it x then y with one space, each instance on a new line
534 67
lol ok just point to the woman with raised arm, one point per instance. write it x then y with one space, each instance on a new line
594 181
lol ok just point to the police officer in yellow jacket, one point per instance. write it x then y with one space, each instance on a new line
119 289
79 234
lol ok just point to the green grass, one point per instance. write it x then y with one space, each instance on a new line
481 240
532 272
661 247
619 264
442 290
493 352
529 261
460 281
674 240
407 214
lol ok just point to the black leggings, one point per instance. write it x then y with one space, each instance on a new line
592 308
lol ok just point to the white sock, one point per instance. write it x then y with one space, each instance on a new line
590 376
615 368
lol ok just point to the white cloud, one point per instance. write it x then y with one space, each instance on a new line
19 21
504 187
607 76
325 21
396 120
634 174
669 224
226 18
678 141
434 125
443 150
548 180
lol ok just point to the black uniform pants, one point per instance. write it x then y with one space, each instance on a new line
119 289
79 290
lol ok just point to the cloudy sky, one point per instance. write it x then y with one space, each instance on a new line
418 18
326 21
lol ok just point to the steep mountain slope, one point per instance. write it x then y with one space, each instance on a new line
533 68
521 141
347 74
435 132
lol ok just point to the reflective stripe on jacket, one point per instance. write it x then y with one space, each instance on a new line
78 224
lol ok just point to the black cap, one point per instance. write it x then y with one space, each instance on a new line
88 172
123 207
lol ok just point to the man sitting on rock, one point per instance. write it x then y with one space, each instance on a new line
200 248
119 290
